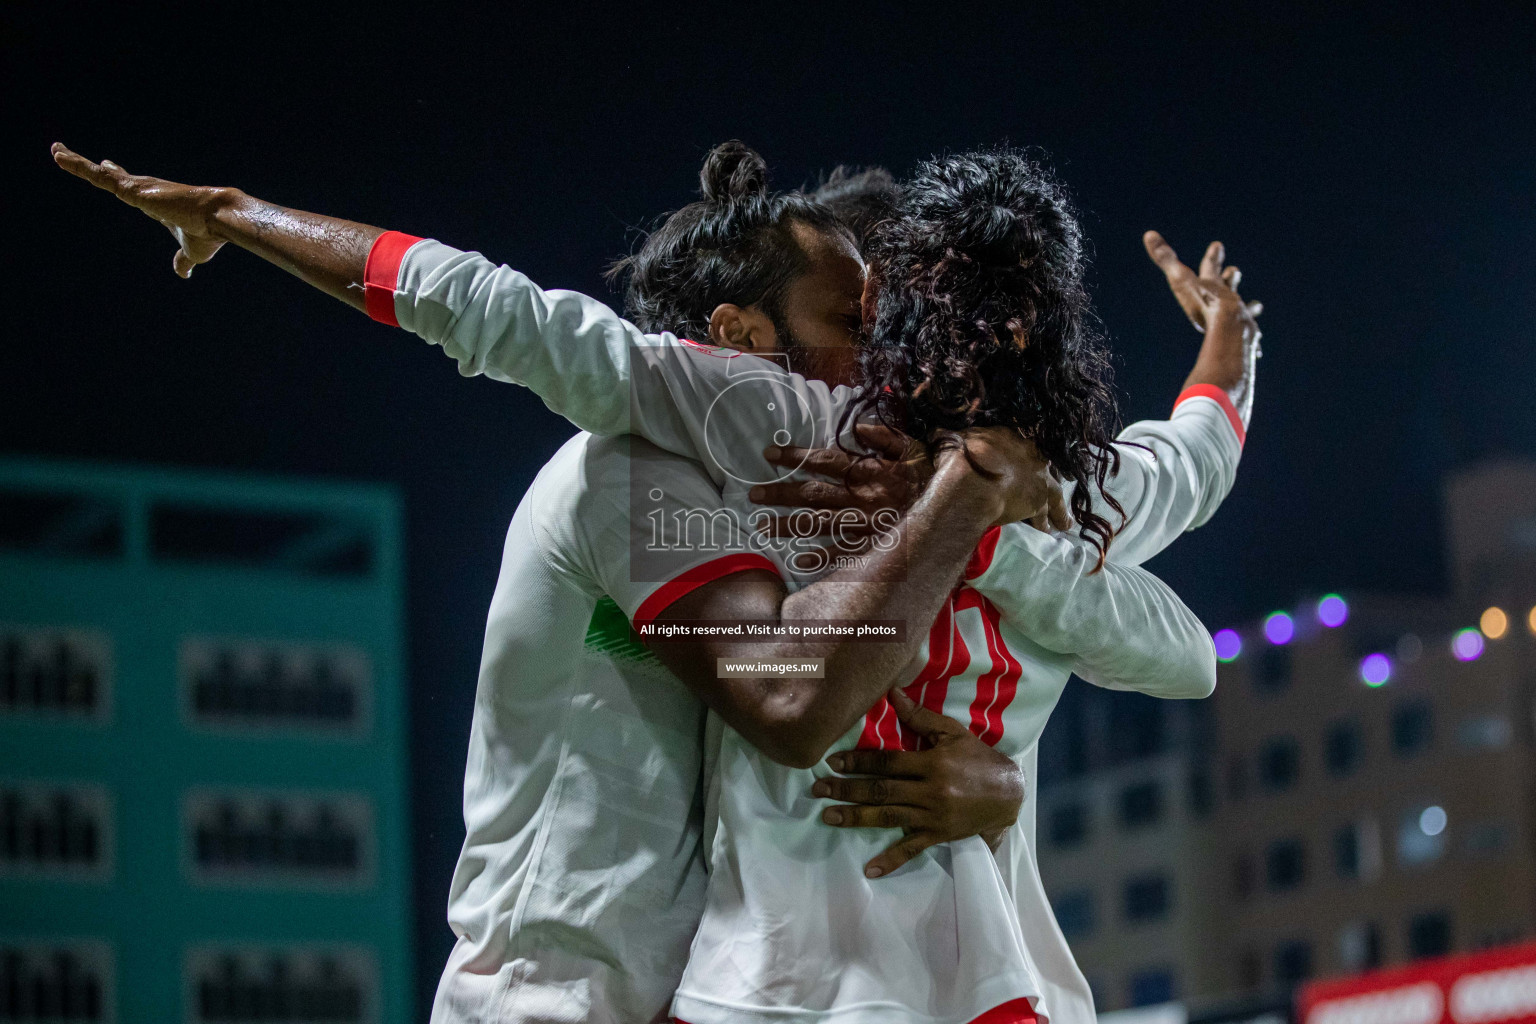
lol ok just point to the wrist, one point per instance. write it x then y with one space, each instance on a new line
226 212
960 490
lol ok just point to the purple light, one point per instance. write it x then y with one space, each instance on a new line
1467 645
1228 645
1279 628
1332 611
1375 669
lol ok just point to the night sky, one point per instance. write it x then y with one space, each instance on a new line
1370 171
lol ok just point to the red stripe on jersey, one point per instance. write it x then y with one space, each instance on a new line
981 558
882 729
933 691
1008 685
1222 399
996 689
986 684
382 272
692 579
1015 1011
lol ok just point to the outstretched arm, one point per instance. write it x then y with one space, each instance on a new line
586 362
327 252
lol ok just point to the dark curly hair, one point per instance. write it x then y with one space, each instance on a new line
981 319
734 244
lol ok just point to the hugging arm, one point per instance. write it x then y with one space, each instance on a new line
795 720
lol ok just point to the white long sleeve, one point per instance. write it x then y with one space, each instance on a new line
1124 628
1173 474
589 365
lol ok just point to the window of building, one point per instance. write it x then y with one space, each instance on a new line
1074 913
1346 852
1293 962
1343 749
1150 987
1141 804
1484 732
61 524
1285 864
1412 728
1421 835
1136 726
1202 793
1279 764
1146 898
1360 946
1069 825
1272 671
1429 934
55 673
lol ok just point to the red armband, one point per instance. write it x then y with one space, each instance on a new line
382 273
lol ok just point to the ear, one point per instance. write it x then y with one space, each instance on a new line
746 330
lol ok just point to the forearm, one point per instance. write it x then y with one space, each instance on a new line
908 583
326 252
795 720
1228 361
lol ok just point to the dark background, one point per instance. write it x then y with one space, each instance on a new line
1370 170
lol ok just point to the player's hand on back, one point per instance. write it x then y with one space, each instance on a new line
954 788
187 211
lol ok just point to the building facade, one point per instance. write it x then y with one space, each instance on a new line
1358 792
202 749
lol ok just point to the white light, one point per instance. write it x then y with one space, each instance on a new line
1432 821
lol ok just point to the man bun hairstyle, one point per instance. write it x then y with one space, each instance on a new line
982 319
733 172
734 244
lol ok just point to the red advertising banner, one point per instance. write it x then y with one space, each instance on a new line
1495 986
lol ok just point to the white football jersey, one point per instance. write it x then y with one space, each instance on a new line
792 930
581 880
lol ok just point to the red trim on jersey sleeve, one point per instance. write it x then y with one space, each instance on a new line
1222 399
981 558
692 579
382 273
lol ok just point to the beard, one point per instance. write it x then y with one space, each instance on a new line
835 364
